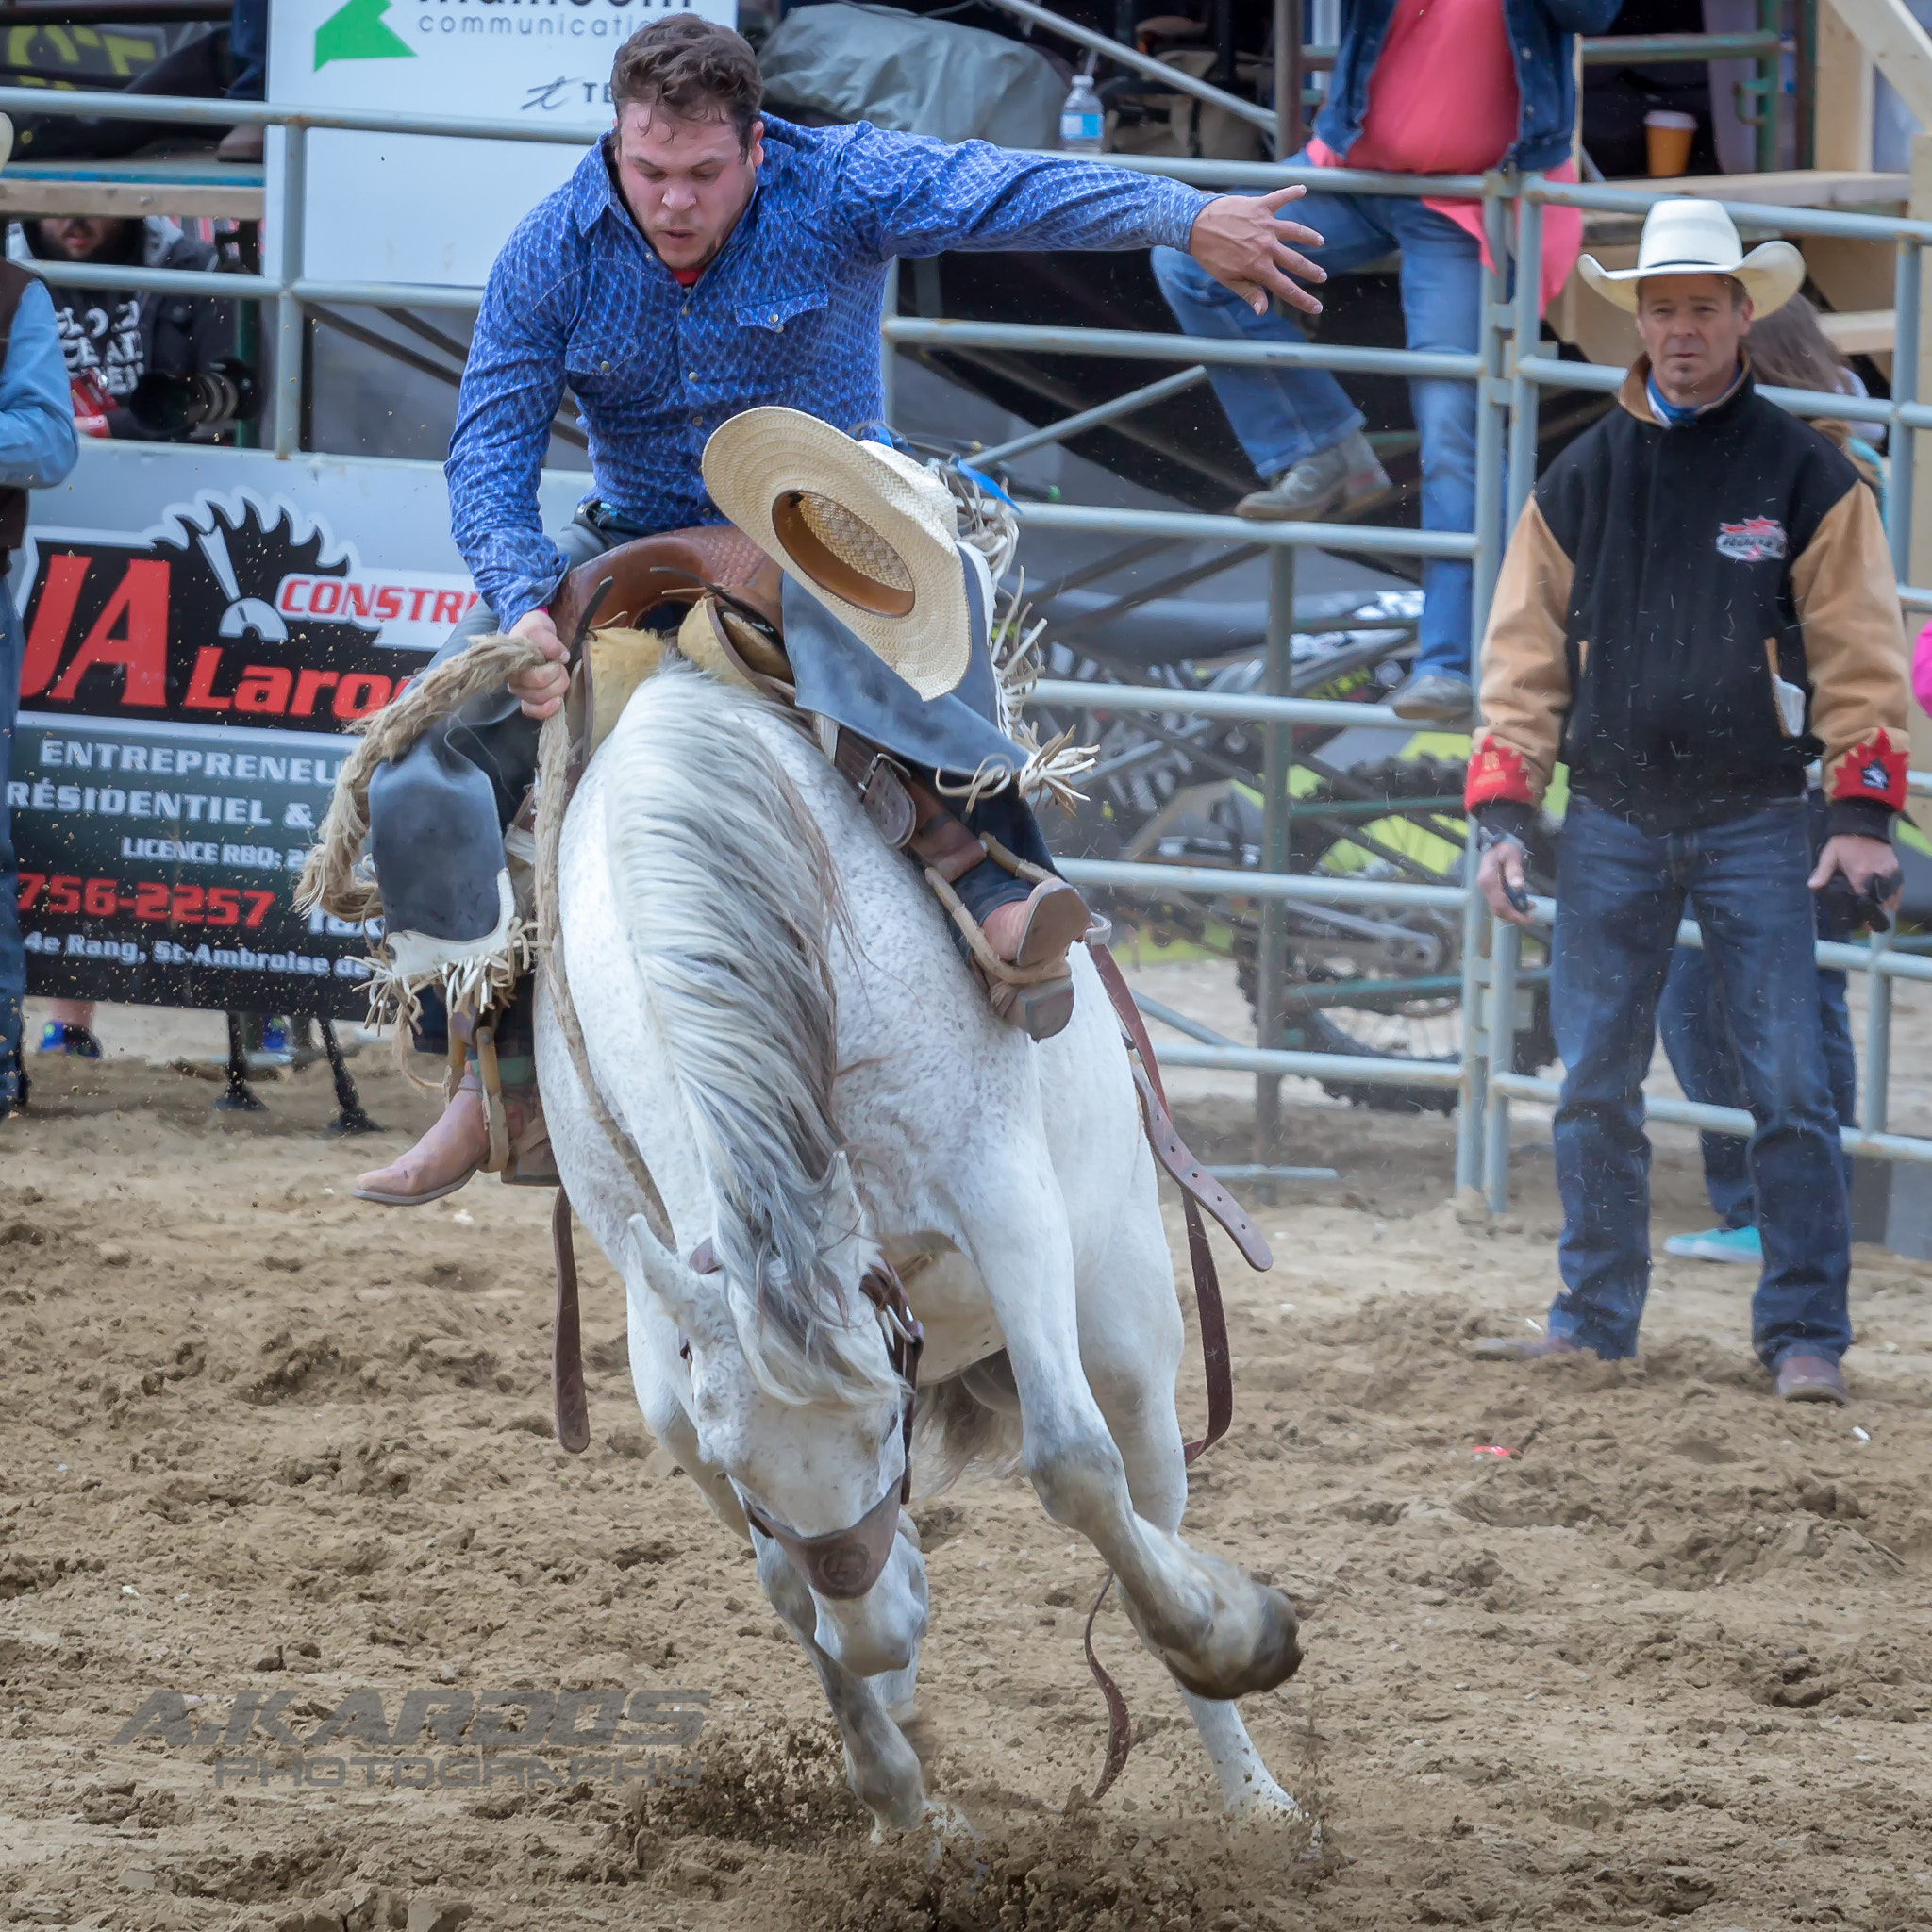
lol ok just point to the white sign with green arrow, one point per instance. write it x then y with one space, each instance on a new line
417 208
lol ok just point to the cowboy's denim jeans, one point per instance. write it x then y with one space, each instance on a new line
1620 894
1282 415
12 955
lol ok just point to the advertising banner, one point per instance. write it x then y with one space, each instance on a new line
412 208
201 633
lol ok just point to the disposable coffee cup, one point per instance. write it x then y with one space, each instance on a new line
1668 135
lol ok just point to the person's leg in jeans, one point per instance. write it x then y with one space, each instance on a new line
1441 309
12 954
1834 1015
1618 903
248 55
248 50
1691 1028
1281 416
1756 913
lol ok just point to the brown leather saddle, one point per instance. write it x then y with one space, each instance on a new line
680 567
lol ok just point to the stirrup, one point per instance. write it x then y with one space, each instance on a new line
1038 1000
524 1160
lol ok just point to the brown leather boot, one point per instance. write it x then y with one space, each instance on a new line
1045 925
456 1147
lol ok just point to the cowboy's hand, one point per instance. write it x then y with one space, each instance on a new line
1244 243
1499 874
1861 861
542 690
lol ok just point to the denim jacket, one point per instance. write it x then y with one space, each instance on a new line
1540 32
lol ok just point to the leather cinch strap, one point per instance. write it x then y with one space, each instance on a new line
1199 1189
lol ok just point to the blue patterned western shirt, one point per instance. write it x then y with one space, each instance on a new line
788 313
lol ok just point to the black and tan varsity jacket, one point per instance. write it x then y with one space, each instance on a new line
1658 585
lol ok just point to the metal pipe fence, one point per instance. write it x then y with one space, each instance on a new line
1508 374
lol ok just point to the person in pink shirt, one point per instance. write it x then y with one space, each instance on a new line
1421 87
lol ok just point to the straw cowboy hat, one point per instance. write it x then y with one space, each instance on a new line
1683 237
871 533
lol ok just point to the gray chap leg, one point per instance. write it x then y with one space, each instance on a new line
436 814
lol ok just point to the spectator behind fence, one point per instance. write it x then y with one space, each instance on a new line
1421 87
1696 602
37 447
1787 350
112 338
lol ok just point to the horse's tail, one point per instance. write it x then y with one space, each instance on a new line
730 902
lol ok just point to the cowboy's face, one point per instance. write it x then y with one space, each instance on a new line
1692 327
686 182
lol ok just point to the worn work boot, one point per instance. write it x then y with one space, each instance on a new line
458 1144
1329 483
242 144
1436 697
1811 1378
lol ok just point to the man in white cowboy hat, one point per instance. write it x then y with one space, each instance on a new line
1697 603
37 447
704 261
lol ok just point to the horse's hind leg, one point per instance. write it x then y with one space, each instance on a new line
1130 1346
882 1766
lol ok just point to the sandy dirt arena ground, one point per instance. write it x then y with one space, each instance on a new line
1670 1659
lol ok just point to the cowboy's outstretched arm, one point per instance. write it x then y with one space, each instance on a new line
512 384
904 194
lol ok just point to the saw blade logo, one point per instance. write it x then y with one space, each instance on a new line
359 32
195 621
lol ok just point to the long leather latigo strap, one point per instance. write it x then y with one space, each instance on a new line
1199 1190
567 1351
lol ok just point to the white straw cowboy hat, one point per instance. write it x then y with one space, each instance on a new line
1684 236
871 533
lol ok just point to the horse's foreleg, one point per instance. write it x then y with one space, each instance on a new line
882 1766
1130 1346
1219 1632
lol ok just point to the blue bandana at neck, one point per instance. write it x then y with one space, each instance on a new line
1673 417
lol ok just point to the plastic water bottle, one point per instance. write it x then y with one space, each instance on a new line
1082 118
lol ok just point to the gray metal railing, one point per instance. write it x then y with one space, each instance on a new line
1508 386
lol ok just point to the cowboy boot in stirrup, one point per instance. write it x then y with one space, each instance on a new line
458 1146
1026 931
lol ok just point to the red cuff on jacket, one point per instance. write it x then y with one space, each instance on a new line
1874 772
1498 770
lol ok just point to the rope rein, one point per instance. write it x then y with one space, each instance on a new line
333 876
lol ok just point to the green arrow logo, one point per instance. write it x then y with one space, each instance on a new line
359 32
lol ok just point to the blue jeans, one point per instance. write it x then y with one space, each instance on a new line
1691 1021
1282 415
12 955
248 49
1620 894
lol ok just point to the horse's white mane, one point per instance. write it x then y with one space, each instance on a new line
730 900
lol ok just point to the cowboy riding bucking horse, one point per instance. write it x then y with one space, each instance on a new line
707 266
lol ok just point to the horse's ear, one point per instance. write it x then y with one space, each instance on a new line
692 1301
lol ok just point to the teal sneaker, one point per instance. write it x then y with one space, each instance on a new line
76 1043
1739 1245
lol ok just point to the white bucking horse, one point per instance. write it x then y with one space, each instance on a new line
774 1012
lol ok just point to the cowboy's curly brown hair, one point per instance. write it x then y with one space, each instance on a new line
693 70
